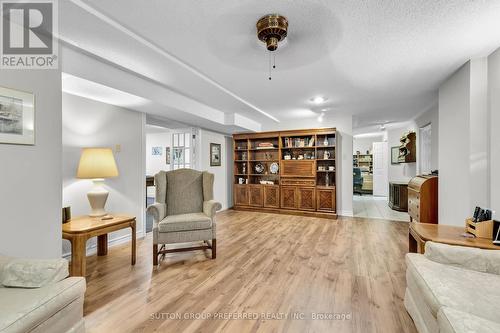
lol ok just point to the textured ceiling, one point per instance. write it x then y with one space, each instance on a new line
380 60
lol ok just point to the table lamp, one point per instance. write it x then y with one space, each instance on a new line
97 164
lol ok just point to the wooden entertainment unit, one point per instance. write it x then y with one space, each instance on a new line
290 172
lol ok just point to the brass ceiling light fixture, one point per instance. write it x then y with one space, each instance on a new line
272 29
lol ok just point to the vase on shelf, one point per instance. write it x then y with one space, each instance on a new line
325 143
327 179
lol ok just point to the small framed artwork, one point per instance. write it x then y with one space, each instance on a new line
395 155
167 155
156 151
17 117
215 154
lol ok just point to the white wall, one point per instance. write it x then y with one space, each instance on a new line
463 143
157 163
479 134
364 144
222 178
343 123
454 106
494 133
406 171
30 176
88 123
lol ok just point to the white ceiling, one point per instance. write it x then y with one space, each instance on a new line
380 60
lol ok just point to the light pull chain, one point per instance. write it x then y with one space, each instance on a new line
269 65
274 59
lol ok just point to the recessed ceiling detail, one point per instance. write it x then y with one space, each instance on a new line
373 59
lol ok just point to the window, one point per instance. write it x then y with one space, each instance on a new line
181 150
425 144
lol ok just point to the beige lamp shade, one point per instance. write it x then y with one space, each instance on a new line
97 163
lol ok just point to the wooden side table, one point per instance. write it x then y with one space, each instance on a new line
78 230
419 233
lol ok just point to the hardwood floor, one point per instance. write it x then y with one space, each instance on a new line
266 264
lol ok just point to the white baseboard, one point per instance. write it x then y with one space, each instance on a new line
348 213
92 248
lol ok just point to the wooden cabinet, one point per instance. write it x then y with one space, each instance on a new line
408 148
306 198
271 196
325 199
298 168
289 197
256 195
286 171
423 199
398 196
241 195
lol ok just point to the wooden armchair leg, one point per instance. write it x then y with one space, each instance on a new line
155 254
214 248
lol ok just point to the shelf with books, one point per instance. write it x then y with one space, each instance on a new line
300 161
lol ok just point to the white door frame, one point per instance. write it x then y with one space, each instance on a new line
380 169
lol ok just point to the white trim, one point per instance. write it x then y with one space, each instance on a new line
348 213
142 176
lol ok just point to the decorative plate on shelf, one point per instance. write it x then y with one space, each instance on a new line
259 168
273 168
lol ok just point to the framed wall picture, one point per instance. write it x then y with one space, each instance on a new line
156 151
215 154
167 155
395 155
17 117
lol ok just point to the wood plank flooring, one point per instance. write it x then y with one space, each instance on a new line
268 266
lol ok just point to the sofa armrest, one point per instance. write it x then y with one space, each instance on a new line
486 261
158 210
210 207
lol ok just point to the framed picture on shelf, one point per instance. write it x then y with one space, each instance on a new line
395 155
215 154
17 117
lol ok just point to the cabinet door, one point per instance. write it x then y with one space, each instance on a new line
241 195
298 168
271 196
255 195
306 198
325 199
289 197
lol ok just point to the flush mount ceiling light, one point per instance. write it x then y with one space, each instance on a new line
272 29
318 99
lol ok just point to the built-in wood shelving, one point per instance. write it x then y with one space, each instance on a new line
306 179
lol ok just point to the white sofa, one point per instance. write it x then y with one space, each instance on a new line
48 302
453 289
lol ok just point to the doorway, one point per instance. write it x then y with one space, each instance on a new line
370 177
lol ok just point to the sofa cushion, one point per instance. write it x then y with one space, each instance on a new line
33 273
23 309
185 222
455 321
443 285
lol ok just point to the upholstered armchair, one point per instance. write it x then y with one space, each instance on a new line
184 211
